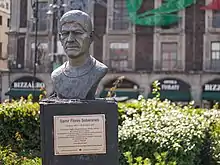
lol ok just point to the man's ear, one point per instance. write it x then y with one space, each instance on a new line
91 36
59 36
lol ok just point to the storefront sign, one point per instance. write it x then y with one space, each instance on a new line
213 85
28 82
170 85
173 85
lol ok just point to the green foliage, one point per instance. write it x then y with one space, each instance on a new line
151 132
20 126
160 159
215 138
152 126
8 157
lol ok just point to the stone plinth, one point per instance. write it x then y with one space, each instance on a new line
79 132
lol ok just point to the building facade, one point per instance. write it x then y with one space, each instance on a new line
182 54
4 27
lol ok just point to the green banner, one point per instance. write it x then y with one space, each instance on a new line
160 16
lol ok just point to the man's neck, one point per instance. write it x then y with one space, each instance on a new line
76 62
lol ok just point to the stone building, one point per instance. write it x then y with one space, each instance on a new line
183 56
4 27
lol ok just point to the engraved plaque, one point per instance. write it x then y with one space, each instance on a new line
79 134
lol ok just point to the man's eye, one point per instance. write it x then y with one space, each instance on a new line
65 33
79 32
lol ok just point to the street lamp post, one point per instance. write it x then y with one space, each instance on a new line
35 15
56 10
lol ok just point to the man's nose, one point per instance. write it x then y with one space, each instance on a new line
71 36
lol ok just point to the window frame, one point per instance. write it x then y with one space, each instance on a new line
212 63
46 19
158 39
1 49
209 20
1 20
162 59
215 18
110 21
107 39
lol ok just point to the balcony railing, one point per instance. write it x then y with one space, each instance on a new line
171 65
212 66
28 66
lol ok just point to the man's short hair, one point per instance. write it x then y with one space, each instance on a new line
77 16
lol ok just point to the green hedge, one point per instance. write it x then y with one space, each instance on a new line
20 129
150 132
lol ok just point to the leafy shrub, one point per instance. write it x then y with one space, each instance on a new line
151 132
160 159
8 157
20 126
152 126
215 138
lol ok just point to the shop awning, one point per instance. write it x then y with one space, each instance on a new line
211 96
23 92
173 95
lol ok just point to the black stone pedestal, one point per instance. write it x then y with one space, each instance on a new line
75 132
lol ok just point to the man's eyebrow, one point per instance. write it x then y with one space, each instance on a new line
64 28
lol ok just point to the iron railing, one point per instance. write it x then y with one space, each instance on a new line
212 66
169 65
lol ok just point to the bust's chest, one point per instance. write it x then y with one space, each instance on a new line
75 87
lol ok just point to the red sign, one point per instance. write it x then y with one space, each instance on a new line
214 5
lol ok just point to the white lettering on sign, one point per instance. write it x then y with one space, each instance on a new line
28 85
170 87
170 82
212 87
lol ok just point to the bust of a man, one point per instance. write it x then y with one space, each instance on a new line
79 76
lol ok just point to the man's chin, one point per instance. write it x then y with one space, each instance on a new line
72 56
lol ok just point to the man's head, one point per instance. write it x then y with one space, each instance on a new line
76 33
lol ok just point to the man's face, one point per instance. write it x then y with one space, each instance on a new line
75 39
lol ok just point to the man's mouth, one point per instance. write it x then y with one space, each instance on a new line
72 47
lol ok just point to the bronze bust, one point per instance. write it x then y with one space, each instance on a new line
77 78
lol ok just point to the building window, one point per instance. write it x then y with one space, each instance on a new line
0 49
23 13
7 5
0 20
215 56
119 56
119 19
169 56
79 5
8 22
216 19
20 52
43 17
